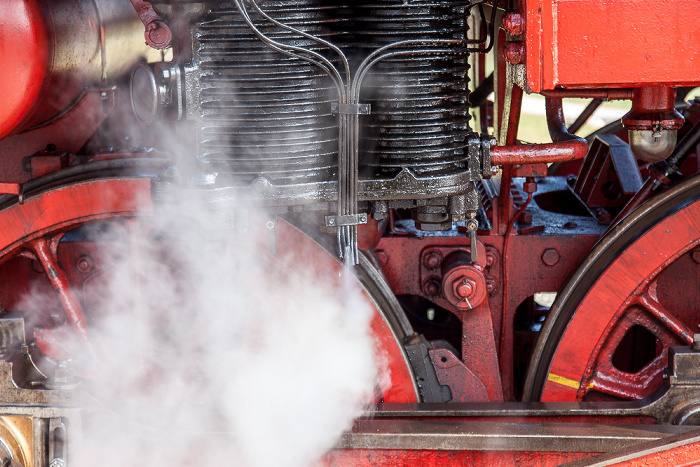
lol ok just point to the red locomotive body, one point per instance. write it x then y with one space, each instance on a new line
528 303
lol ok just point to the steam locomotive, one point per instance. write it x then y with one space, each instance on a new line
365 133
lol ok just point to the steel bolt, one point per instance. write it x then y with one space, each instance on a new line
85 264
526 217
259 185
550 257
36 265
432 260
490 259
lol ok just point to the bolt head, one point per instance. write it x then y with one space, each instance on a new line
550 257
530 187
432 260
490 260
431 287
490 285
464 289
85 264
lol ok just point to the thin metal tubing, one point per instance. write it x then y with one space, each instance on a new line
484 31
492 27
335 49
323 62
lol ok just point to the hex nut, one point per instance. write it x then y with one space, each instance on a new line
530 187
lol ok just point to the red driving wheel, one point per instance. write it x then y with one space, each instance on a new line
38 255
636 294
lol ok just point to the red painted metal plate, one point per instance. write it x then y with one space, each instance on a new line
620 43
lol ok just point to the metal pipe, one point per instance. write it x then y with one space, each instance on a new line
538 153
555 121
606 94
565 147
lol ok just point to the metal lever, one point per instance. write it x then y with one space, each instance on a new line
472 226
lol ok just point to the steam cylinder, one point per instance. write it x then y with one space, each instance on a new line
52 50
262 113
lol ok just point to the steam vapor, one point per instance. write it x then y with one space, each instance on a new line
210 353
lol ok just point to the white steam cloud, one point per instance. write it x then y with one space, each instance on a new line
212 353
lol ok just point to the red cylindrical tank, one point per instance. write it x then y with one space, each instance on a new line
52 50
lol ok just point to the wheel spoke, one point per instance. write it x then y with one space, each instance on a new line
46 253
650 304
609 380
605 377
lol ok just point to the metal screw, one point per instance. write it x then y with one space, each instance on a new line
490 259
259 185
526 217
270 224
331 221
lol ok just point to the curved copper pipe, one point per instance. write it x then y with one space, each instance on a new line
565 147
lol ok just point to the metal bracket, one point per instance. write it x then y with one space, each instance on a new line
350 109
352 219
479 147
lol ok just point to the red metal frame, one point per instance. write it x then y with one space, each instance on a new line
627 43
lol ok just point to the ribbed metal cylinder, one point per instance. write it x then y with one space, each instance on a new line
419 116
266 113
263 112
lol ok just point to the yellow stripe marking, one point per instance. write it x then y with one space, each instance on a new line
563 381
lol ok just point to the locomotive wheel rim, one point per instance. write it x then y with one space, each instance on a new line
58 209
613 290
